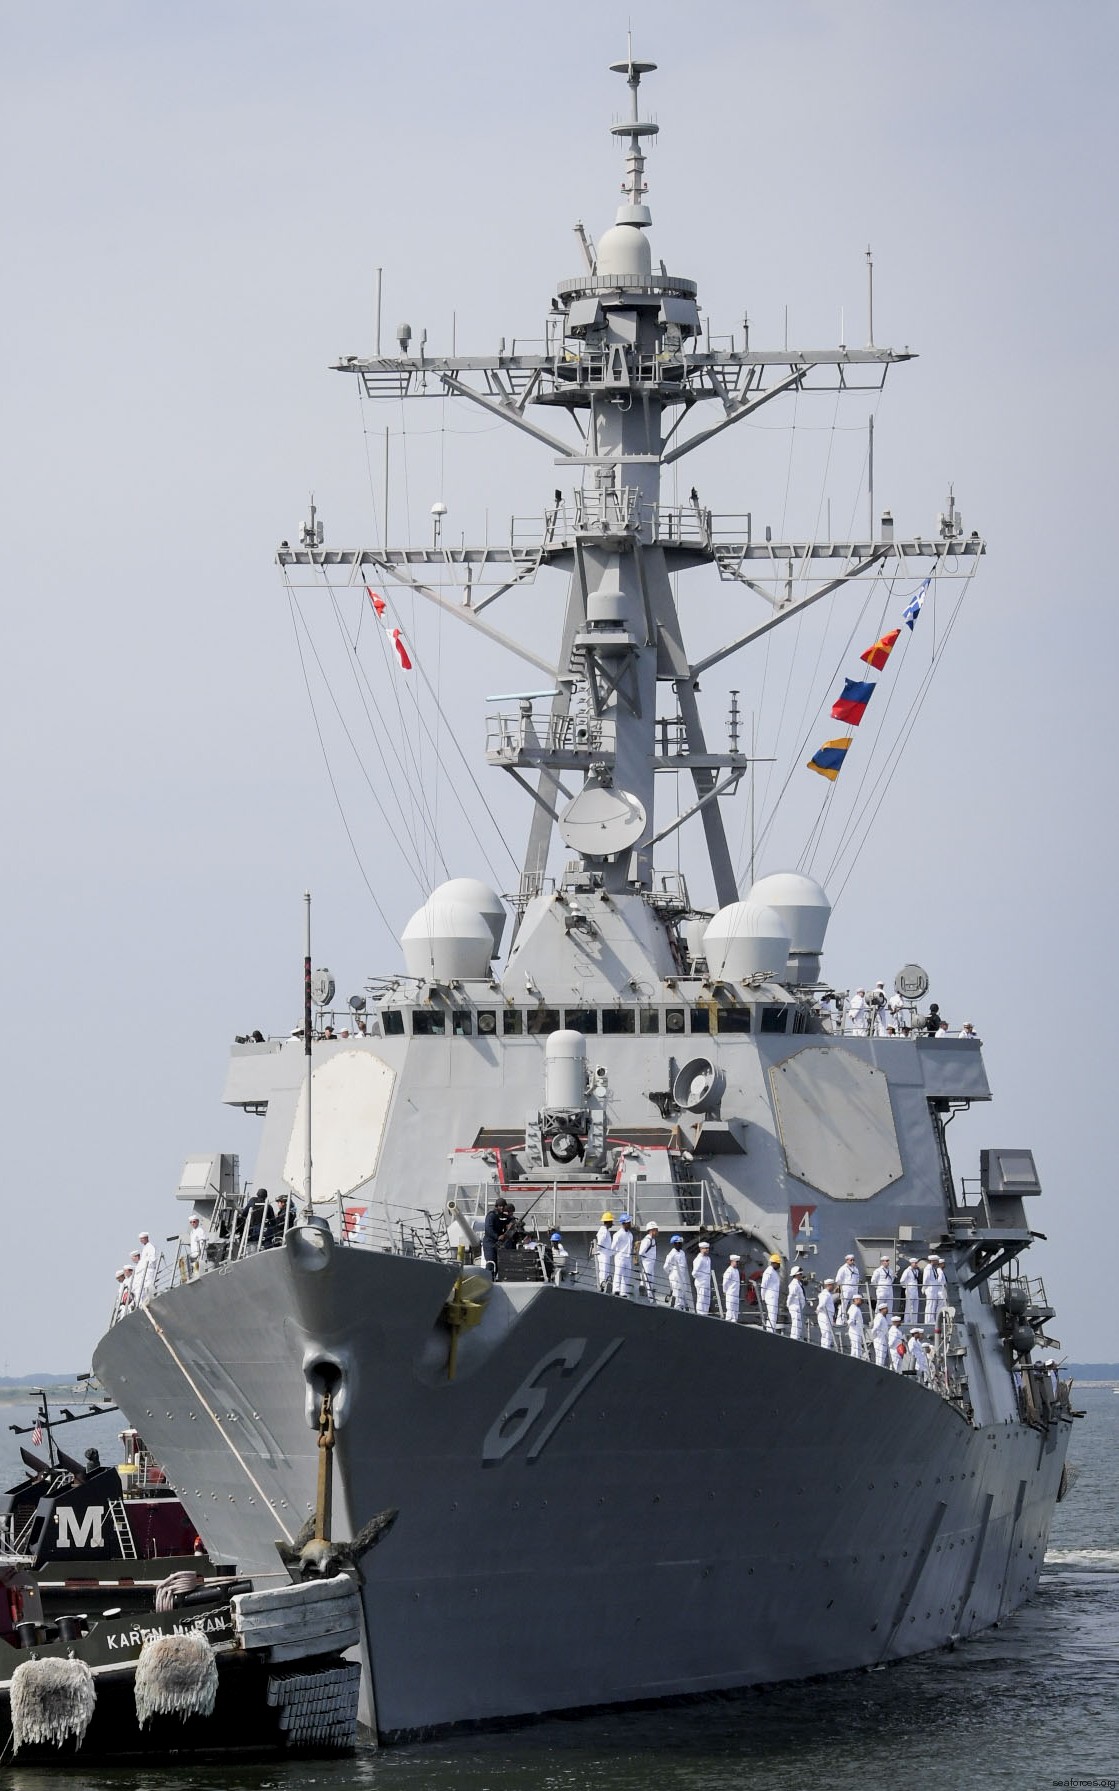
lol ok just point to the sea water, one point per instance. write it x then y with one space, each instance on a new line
1029 1706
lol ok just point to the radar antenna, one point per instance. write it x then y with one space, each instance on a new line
634 210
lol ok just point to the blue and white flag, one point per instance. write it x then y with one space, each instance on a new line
913 607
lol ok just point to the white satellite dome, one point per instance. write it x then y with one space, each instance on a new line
623 251
804 908
746 939
448 940
476 894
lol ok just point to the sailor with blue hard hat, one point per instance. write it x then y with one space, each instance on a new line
554 1257
679 1281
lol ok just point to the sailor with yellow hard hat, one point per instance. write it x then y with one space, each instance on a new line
604 1253
771 1291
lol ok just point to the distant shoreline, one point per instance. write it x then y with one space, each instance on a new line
21 1385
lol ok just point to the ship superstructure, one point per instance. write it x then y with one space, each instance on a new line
796 1509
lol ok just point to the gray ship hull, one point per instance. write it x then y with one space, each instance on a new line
608 1503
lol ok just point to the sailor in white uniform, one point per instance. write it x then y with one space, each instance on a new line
771 1291
143 1277
878 1008
911 1287
882 1284
197 1240
825 1314
647 1261
879 1334
794 1300
846 1284
855 1326
679 1281
604 1253
895 1345
701 1275
856 1016
934 1285
918 1354
623 1257
732 1290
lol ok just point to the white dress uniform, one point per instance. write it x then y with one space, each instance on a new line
882 1287
732 1293
771 1295
794 1300
623 1261
856 1020
879 1333
197 1239
893 1339
846 1286
825 1318
604 1255
911 1285
855 1331
647 1264
934 1284
701 1275
920 1359
679 1281
143 1278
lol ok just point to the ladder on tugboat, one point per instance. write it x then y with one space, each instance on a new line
123 1529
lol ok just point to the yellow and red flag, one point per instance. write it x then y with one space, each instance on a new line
877 655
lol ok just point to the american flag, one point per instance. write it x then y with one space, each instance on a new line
37 1434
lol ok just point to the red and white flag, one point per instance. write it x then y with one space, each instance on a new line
377 601
37 1434
401 649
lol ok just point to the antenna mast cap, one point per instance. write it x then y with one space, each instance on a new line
634 211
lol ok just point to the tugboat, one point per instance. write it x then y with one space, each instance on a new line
643 1062
119 1637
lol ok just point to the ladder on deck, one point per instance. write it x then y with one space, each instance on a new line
123 1529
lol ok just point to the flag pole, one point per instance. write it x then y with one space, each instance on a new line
307 1050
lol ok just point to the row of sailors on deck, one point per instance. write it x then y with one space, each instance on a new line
618 1254
136 1280
879 1015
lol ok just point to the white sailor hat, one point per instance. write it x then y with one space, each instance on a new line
794 1271
142 1235
883 1306
917 1331
195 1218
855 1297
885 1256
850 1256
829 1280
739 1259
651 1226
703 1244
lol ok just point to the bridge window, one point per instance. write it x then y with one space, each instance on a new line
543 1019
775 1019
618 1019
462 1023
734 1019
392 1022
650 1019
512 1021
701 1019
428 1023
581 1019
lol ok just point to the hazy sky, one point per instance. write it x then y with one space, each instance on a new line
196 200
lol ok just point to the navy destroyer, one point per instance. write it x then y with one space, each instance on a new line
486 1263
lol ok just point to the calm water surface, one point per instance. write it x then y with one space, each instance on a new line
1028 1706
